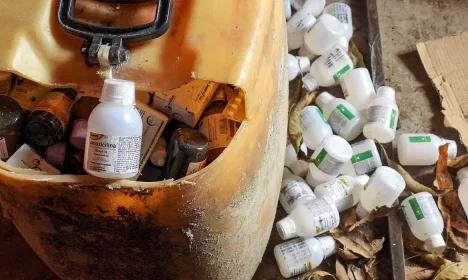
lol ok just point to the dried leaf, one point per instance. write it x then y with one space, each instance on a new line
349 217
459 162
357 273
374 214
322 274
433 259
355 55
443 180
294 133
419 273
370 268
347 255
451 207
452 271
340 271
458 238
357 243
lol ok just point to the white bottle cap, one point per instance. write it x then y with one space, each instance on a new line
323 99
286 228
304 63
78 135
386 91
462 173
435 243
328 246
363 179
311 180
309 82
452 149
118 91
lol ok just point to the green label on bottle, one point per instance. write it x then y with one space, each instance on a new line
392 119
323 153
416 208
321 115
343 110
341 72
419 139
362 156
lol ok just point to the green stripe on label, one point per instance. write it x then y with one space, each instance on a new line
416 208
341 72
323 153
419 139
321 115
392 119
343 110
362 156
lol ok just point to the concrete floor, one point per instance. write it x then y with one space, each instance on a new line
403 23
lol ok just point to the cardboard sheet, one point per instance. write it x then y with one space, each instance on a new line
446 63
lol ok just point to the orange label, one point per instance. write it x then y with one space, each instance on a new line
57 104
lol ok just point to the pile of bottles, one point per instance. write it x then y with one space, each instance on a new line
116 134
345 175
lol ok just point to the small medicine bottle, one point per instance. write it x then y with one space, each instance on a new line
49 120
366 159
422 149
358 88
296 65
323 35
314 127
83 107
11 121
342 12
294 190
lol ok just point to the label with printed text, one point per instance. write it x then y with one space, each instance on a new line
57 104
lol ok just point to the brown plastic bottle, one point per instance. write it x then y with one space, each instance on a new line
11 121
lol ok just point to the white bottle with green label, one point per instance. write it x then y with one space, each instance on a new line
309 219
365 159
330 158
301 255
323 35
313 126
327 69
345 191
358 88
343 118
382 116
424 220
463 188
294 190
422 149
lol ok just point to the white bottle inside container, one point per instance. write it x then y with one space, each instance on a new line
296 65
287 9
309 219
300 255
330 157
345 191
315 7
463 188
304 52
343 13
323 35
422 149
382 189
314 127
365 159
343 118
297 4
113 140
424 220
294 190
300 21
297 166
327 69
358 88
382 116
295 40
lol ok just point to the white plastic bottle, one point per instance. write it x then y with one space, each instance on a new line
343 118
113 139
345 191
330 157
382 116
463 188
300 21
323 35
300 255
296 65
358 88
287 9
314 127
327 69
422 149
309 219
343 13
315 7
365 159
424 220
297 166
295 40
294 190
382 189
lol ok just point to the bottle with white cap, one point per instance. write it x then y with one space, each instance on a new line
424 220
343 118
366 159
287 9
382 189
382 116
345 191
309 219
327 69
113 139
358 89
323 35
342 12
329 158
294 190
463 188
422 149
296 65
313 126
300 255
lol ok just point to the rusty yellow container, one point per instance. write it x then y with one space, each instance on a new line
214 224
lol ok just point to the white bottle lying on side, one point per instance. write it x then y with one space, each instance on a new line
294 190
314 127
365 159
463 188
422 149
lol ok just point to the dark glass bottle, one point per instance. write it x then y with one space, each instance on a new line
11 121
49 120
83 107
187 153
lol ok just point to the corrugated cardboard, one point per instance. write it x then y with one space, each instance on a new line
446 63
